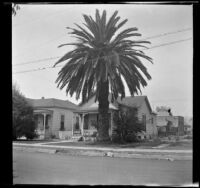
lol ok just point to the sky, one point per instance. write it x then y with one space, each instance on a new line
38 30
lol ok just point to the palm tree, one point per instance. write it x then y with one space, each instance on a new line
99 62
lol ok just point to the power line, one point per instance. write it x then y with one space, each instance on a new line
169 43
169 33
33 70
152 37
165 44
46 59
37 61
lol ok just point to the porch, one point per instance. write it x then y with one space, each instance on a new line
43 119
85 123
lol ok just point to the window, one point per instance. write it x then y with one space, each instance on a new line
62 122
144 121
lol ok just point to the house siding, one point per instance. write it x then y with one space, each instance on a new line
151 129
56 120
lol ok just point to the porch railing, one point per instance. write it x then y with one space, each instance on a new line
85 132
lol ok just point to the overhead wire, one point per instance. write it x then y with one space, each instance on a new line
168 33
151 37
169 43
37 61
33 70
164 44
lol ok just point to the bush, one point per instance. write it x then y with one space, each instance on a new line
127 125
23 120
94 134
131 138
116 139
53 136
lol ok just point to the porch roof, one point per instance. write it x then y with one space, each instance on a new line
94 108
40 111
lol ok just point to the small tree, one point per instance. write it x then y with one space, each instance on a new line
23 120
127 124
15 7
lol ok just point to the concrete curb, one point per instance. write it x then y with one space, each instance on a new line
98 153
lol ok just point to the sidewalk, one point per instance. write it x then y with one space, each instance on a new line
45 145
107 151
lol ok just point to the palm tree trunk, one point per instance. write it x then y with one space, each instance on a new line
103 134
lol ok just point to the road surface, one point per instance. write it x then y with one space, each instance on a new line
43 168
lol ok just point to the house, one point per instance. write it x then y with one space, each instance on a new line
187 129
86 116
52 115
188 125
168 124
63 119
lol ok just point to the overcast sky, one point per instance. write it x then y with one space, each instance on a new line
38 30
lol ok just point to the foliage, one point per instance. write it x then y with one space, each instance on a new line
127 125
15 7
53 136
101 59
23 121
94 123
164 109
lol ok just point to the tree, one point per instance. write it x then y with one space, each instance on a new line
15 7
127 124
164 109
100 61
23 121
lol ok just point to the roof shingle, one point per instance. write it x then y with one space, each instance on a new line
52 103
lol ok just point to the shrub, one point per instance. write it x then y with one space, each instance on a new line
23 120
94 134
131 138
53 136
126 124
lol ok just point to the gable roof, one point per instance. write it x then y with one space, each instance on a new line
91 105
130 101
135 101
38 103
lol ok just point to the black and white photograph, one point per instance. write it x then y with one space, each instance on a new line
102 94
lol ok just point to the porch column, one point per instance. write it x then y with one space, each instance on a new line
73 124
111 124
44 116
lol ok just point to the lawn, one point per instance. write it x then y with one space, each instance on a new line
179 145
110 144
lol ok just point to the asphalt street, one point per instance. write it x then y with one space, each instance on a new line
43 168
